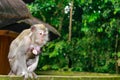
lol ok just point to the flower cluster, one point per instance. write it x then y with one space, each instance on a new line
67 8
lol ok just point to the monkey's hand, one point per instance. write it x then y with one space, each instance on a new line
32 64
35 52
32 67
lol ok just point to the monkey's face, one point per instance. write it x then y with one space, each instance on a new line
41 36
40 33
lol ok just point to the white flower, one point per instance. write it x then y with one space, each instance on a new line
99 11
94 11
67 9
70 4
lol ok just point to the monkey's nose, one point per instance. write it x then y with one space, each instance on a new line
44 34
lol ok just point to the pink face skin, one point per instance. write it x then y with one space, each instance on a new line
41 37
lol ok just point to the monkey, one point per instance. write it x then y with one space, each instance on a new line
24 51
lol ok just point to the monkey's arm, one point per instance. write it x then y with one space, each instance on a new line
33 65
17 57
21 58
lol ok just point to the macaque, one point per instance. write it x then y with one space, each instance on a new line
24 51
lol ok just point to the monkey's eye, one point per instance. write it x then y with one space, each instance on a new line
41 33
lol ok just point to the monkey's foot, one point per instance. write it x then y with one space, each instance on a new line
29 75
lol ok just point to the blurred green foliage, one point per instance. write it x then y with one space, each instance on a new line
95 25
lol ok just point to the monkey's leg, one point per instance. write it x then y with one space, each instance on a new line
33 64
11 73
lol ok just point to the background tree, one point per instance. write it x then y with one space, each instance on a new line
94 45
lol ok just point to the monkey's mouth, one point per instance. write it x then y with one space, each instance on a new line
40 43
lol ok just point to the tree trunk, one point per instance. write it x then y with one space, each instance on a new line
70 22
116 57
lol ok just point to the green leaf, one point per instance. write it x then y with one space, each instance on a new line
100 30
55 67
53 54
85 29
117 10
46 67
93 17
118 54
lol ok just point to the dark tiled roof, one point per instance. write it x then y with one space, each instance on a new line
15 11
12 11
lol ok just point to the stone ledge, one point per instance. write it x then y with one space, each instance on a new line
55 77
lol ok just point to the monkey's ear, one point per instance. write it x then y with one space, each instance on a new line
33 28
